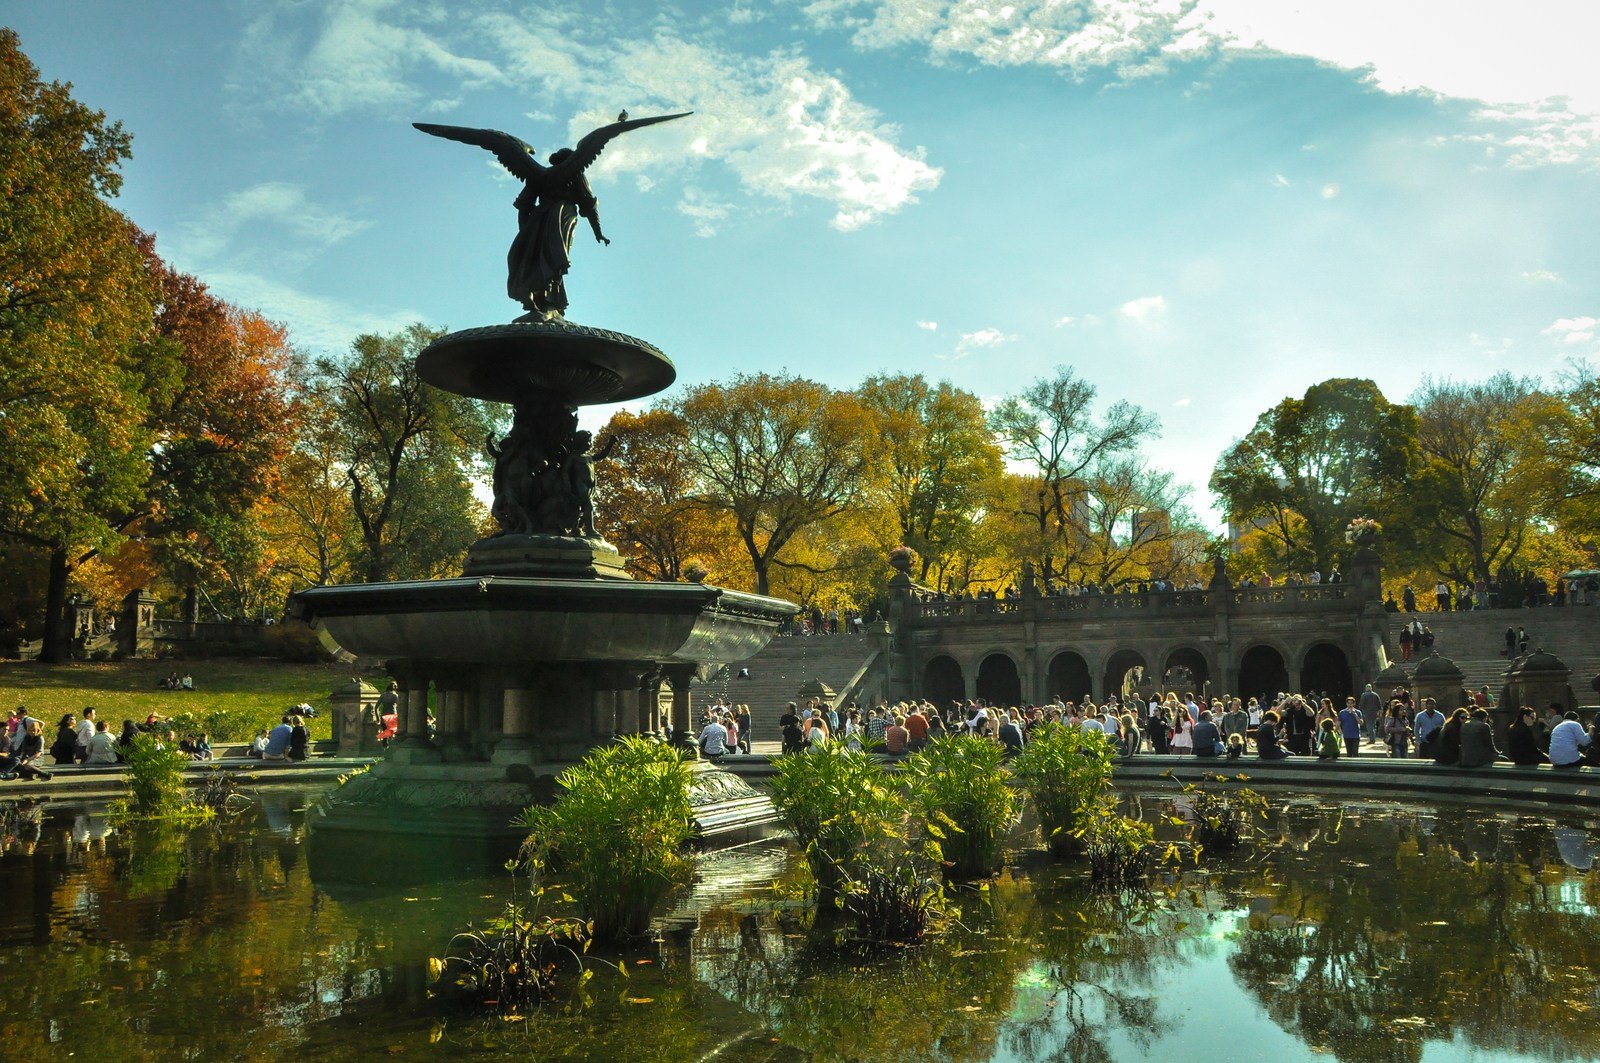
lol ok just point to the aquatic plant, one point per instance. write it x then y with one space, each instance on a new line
962 789
1222 818
514 962
894 899
1066 771
156 786
615 835
220 792
843 808
1122 853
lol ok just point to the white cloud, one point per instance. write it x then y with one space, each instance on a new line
928 326
983 339
1573 329
705 210
1281 181
1541 276
1183 402
1065 320
314 321
1147 310
355 57
1533 71
275 204
1330 190
782 127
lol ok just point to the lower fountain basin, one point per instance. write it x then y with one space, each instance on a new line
508 619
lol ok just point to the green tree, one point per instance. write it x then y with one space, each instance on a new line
1052 428
410 453
75 301
778 454
941 461
1310 465
1481 445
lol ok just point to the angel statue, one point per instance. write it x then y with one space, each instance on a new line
552 199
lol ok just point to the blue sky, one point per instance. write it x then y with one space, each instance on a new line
1201 206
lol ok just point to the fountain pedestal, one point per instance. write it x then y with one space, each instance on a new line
544 647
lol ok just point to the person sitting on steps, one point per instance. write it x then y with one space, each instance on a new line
21 763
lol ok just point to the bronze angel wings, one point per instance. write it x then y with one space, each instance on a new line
517 156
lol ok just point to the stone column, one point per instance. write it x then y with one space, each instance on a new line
678 677
411 745
516 726
452 697
649 697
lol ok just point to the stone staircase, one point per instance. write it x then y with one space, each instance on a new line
1476 642
779 670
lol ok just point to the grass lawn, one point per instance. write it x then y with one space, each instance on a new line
232 699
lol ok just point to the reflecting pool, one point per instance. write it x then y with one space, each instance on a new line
1367 930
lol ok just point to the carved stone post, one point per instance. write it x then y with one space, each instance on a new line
355 722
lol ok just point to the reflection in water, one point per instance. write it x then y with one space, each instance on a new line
1367 932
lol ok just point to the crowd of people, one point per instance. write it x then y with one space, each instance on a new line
1289 725
84 739
1512 590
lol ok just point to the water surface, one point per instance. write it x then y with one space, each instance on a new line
1367 930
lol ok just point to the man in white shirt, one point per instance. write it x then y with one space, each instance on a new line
85 733
1092 723
714 739
1567 742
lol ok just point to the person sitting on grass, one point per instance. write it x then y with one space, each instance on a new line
187 682
1328 741
102 747
22 763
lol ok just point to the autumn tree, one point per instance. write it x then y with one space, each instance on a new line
1475 498
75 300
938 458
410 455
777 454
645 497
222 428
1310 465
1052 428
307 521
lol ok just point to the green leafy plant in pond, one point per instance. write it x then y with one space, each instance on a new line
1066 771
962 789
220 792
895 897
156 785
839 802
1122 853
615 835
1223 818
517 961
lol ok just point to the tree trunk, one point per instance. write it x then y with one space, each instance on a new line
57 634
191 604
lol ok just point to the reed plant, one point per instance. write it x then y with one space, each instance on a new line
1223 818
961 787
615 836
1122 853
157 789
1066 771
514 962
842 807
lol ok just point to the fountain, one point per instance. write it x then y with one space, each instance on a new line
544 646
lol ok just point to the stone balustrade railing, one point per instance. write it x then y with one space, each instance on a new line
1166 603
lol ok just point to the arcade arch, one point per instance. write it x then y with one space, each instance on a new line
1326 669
1069 677
942 681
998 681
1262 673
